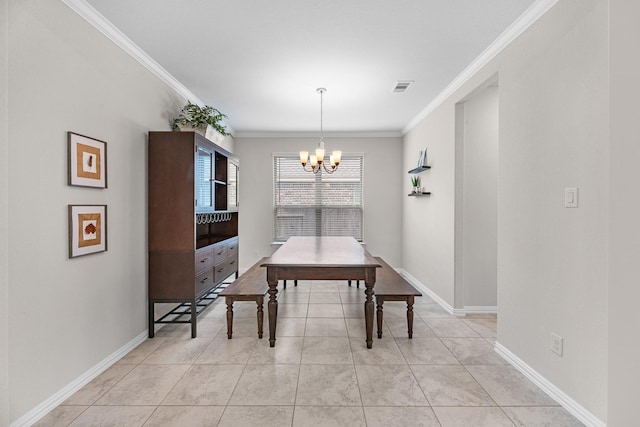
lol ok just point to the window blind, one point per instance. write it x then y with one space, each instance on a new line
322 204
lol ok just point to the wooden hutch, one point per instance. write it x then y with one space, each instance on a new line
193 223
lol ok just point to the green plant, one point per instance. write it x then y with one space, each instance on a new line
415 180
195 116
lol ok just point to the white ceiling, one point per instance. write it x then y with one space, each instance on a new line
260 62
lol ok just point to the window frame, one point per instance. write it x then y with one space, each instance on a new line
295 157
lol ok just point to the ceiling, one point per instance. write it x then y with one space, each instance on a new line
260 62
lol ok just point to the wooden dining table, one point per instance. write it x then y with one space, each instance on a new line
321 258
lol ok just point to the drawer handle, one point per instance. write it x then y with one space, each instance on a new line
204 259
220 253
204 280
232 262
232 248
221 270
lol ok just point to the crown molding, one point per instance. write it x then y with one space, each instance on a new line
298 134
530 16
102 24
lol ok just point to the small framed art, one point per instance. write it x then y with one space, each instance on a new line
87 161
87 229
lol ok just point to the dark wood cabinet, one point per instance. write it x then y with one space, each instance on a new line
192 223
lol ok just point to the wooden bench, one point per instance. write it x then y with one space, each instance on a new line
251 286
391 286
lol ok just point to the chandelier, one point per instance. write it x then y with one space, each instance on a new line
316 161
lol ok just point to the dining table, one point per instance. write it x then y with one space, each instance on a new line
321 258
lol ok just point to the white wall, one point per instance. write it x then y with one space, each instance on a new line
382 192
428 222
479 201
67 315
552 268
4 218
624 231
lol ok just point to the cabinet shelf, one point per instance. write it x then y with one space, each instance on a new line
419 194
419 169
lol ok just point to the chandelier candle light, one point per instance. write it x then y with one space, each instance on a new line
317 161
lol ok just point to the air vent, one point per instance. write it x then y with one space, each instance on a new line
402 85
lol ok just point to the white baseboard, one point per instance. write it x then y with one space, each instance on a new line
49 404
421 286
545 385
468 309
480 309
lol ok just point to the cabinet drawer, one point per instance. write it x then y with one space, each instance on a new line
204 281
219 253
232 247
225 269
204 259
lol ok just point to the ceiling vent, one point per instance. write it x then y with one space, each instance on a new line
402 86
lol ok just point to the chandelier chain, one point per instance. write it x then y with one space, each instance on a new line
321 114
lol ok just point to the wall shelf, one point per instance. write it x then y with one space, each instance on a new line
420 169
420 194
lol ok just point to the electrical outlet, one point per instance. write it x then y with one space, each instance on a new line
556 344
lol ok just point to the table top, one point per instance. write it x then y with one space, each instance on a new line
322 251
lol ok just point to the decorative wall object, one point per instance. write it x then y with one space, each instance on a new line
87 229
422 158
87 161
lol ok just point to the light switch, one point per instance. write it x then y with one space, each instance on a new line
570 197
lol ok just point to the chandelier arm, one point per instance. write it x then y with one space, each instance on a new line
333 169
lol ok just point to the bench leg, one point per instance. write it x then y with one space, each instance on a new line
272 305
358 284
260 302
410 300
229 301
285 284
369 307
349 281
295 283
379 315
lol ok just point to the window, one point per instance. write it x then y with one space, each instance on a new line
322 204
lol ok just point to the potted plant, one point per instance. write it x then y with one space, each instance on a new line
196 118
415 181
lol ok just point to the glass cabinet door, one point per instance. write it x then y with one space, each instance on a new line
204 179
232 186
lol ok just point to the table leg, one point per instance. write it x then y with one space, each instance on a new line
272 305
369 309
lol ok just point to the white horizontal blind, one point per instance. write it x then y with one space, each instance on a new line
322 204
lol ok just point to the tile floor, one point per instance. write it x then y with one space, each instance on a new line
320 372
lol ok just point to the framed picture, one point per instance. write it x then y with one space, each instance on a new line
87 229
87 161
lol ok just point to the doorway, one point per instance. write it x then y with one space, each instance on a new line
476 201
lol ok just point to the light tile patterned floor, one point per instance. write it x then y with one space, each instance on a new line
320 372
